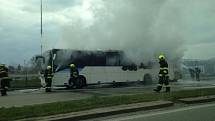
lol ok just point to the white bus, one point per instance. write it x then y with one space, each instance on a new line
100 67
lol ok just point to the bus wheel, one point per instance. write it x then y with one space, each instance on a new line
84 80
80 82
124 68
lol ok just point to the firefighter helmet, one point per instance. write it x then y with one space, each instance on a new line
49 67
161 57
72 65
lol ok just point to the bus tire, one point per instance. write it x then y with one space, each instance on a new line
80 82
84 80
124 68
130 68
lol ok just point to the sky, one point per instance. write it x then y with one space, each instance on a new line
67 22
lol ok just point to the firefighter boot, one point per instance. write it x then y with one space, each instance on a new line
158 89
48 89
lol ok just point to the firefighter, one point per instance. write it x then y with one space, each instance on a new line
163 75
48 78
197 72
4 79
192 73
73 74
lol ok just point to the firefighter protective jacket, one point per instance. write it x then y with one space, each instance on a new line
48 74
163 68
3 72
74 72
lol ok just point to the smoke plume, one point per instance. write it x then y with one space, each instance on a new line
143 29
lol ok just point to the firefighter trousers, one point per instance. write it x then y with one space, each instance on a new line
48 84
163 80
4 87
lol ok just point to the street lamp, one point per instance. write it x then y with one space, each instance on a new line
41 25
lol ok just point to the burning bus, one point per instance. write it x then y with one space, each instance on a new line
100 67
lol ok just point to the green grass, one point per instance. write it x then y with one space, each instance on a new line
95 102
25 83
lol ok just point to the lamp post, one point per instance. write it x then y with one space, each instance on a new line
41 25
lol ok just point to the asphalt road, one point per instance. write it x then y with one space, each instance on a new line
204 112
20 98
38 96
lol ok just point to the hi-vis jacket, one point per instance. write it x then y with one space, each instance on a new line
4 73
163 68
74 73
48 74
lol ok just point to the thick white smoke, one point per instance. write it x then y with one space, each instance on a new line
141 28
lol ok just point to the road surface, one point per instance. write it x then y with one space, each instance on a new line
20 98
204 112
38 96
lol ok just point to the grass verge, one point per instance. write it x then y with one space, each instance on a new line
19 84
7 114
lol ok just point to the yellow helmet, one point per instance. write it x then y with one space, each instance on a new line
72 65
161 56
49 67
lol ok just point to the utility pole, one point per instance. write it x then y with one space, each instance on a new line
41 27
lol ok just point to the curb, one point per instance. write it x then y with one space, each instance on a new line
102 112
194 100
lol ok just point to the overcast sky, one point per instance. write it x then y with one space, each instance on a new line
20 26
